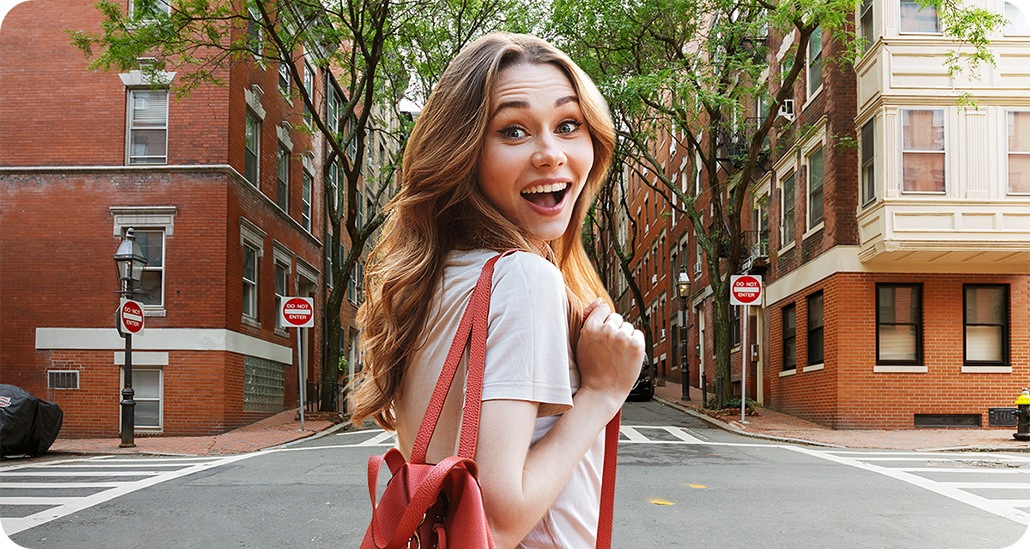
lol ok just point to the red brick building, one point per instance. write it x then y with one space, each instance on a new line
225 197
892 230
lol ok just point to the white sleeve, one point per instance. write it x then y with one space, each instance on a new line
527 346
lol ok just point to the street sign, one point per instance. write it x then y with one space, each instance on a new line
297 312
745 289
130 317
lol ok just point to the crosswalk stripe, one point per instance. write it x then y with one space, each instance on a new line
633 435
378 439
681 434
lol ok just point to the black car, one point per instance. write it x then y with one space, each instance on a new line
643 389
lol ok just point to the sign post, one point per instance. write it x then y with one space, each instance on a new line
130 317
745 290
298 312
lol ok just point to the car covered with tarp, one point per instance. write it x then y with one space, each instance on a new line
28 425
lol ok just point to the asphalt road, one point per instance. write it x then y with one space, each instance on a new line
680 484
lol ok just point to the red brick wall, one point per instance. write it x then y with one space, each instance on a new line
848 394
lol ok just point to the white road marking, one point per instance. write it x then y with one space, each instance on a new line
64 506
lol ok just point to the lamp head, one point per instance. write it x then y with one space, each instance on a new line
129 259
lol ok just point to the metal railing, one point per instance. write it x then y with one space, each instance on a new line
313 397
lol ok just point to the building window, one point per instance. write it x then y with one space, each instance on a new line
253 136
282 275
866 24
986 322
868 145
815 61
790 354
145 8
1017 13
787 219
250 281
1019 151
899 324
815 329
148 126
923 150
254 36
62 379
284 78
815 188
309 87
918 18
305 200
282 190
151 286
147 384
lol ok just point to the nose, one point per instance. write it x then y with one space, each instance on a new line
549 153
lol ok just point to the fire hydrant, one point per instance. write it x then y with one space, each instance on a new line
1023 417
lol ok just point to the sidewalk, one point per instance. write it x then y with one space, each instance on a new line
768 424
272 431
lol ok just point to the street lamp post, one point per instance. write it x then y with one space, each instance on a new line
683 288
129 262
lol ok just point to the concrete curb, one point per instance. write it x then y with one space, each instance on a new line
733 429
727 427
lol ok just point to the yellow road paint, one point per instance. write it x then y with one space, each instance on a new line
664 502
698 486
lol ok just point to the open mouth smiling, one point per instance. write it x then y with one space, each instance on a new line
546 196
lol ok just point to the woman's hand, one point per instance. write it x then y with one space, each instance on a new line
610 352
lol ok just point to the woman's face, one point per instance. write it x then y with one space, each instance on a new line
537 149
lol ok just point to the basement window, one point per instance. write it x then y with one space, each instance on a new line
62 379
942 421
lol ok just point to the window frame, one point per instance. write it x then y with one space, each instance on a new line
285 80
816 333
281 269
138 374
943 151
787 231
867 27
252 157
250 300
811 223
152 266
162 6
282 176
307 184
130 127
918 292
813 61
1006 326
789 338
1010 116
902 20
867 165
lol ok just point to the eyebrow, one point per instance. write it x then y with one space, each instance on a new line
521 104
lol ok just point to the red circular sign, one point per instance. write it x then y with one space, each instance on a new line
746 289
132 317
297 311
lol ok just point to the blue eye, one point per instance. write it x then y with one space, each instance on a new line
513 132
569 126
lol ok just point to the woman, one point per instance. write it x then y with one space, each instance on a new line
507 154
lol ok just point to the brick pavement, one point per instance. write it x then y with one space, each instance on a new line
269 432
777 426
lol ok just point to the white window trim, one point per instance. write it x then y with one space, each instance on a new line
813 367
812 229
901 151
1008 153
784 245
161 391
147 218
165 6
810 95
884 369
252 235
129 127
788 373
986 369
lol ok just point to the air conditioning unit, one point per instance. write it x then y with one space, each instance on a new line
663 333
654 279
786 112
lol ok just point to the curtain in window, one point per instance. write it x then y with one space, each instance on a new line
985 324
923 150
916 18
899 317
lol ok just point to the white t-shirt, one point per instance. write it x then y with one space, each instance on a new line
528 357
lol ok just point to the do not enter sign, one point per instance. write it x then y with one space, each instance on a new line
130 317
745 289
297 312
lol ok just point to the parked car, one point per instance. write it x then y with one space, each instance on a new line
643 389
28 425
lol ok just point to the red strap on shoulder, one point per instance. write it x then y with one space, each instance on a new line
473 326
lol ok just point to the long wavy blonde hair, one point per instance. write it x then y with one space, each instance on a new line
440 208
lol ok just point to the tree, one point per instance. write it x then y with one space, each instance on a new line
689 70
372 47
